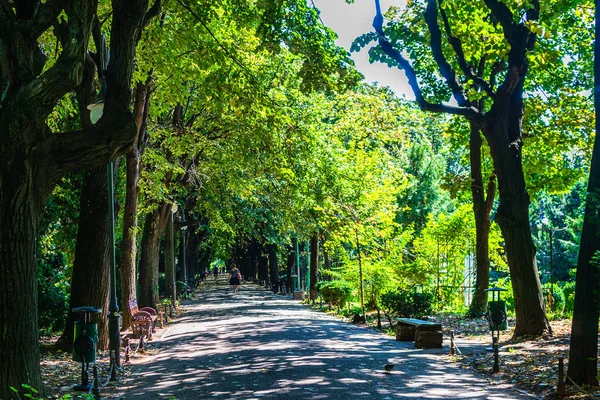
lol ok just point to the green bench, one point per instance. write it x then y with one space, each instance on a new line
425 334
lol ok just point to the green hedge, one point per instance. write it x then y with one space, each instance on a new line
407 304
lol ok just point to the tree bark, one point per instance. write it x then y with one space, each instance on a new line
263 266
170 288
273 264
482 206
291 263
314 260
583 351
148 268
128 260
90 278
503 132
20 213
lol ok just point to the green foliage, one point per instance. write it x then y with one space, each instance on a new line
554 298
405 303
53 293
568 290
336 292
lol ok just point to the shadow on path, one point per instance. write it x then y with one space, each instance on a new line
257 345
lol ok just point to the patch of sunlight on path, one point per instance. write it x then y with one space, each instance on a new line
255 345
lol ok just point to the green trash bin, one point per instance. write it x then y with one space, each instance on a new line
497 315
496 311
85 339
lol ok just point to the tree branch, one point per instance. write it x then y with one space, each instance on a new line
7 16
503 14
88 148
460 54
154 11
47 14
438 55
386 46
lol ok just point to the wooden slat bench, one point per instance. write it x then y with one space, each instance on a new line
142 321
425 334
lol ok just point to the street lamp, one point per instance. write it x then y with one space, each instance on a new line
114 318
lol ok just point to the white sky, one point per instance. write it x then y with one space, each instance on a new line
351 21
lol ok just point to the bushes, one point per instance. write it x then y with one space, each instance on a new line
336 293
407 303
569 296
53 293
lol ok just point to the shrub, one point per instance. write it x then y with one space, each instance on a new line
53 293
406 303
336 293
569 295
555 303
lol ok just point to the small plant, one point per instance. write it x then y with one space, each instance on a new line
336 293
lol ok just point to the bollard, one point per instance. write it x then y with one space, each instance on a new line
495 344
451 343
560 389
96 387
127 349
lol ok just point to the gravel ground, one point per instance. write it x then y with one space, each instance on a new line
254 344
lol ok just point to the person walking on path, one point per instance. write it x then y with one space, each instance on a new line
215 271
235 278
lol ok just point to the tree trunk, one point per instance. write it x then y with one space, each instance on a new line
170 288
314 259
291 262
130 221
263 266
360 278
20 214
273 264
503 133
583 351
148 268
90 279
482 206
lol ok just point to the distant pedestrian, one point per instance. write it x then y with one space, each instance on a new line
236 277
202 275
215 271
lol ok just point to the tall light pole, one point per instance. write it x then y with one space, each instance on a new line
114 318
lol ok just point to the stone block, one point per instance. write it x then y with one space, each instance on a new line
428 339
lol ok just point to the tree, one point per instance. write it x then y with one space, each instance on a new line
34 158
500 123
583 351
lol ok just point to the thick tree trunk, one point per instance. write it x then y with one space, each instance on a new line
90 278
148 268
273 264
583 351
314 260
263 266
170 288
20 214
291 263
130 221
503 135
482 206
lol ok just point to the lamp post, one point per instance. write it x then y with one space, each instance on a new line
114 318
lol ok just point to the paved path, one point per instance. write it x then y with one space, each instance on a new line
255 345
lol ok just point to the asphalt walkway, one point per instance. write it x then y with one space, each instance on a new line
254 344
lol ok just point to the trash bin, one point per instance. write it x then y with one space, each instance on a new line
85 339
496 311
